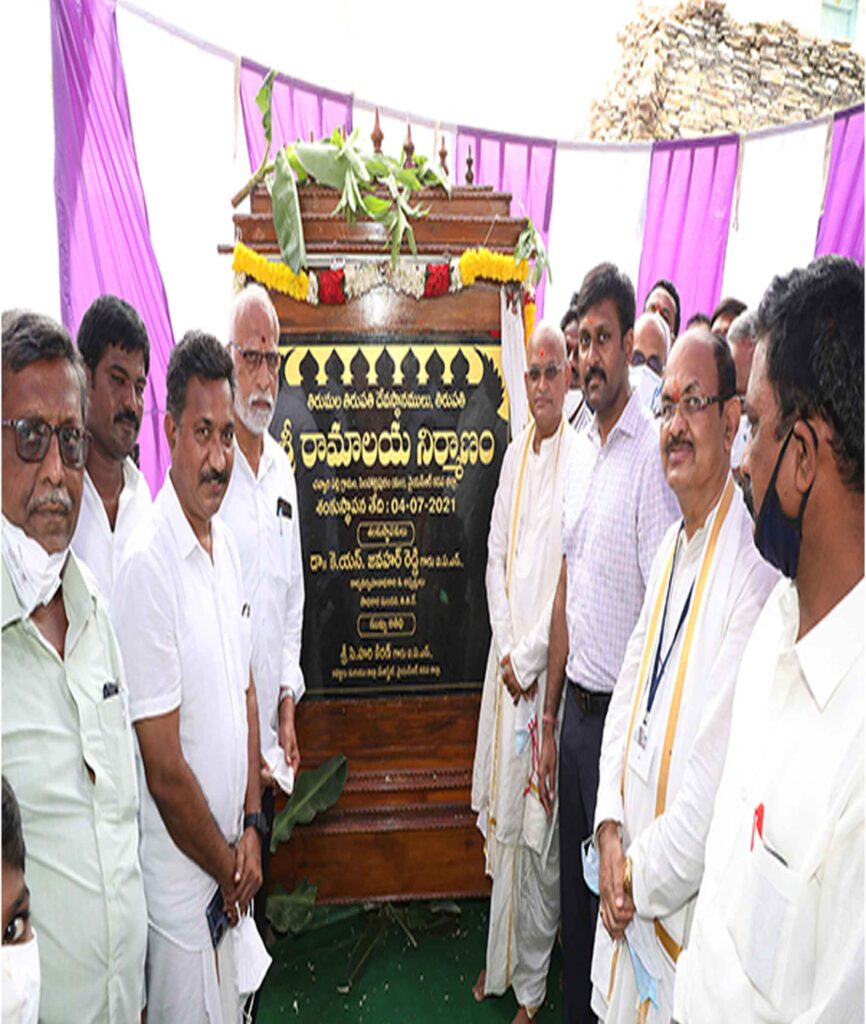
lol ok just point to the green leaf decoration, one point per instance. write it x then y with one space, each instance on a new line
530 246
296 164
314 791
263 102
292 911
321 160
375 206
287 213
363 950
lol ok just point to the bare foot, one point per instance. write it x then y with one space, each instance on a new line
478 987
522 1016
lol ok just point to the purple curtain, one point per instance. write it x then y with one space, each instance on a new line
297 109
840 229
688 212
516 164
102 226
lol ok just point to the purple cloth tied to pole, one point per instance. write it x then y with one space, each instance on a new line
840 229
513 163
688 213
297 108
102 226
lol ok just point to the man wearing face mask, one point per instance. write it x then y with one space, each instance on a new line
666 730
67 739
741 338
113 343
20 987
652 343
261 509
778 928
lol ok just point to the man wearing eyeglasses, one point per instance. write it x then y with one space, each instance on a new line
777 933
666 730
617 509
67 739
261 509
652 342
524 552
113 343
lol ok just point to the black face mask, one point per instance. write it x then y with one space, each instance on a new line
778 536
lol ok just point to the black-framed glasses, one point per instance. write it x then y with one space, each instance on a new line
253 358
33 439
654 363
688 405
551 371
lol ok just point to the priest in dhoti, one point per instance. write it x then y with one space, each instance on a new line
667 725
524 558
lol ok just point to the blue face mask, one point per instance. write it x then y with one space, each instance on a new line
777 535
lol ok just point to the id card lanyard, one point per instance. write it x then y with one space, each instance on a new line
660 663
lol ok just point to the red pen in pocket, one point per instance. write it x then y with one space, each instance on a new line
758 825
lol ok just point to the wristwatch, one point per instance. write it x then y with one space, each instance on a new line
257 821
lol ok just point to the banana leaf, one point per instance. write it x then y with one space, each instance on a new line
315 791
292 911
287 213
321 160
263 102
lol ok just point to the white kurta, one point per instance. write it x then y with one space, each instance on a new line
524 559
667 802
778 927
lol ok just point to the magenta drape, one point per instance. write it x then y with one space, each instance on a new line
688 213
840 229
102 226
297 109
522 166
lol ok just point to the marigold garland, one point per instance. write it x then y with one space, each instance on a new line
279 277
528 320
493 266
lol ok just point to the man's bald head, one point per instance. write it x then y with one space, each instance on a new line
652 342
546 377
547 342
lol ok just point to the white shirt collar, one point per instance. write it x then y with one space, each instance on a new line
830 648
184 535
628 422
266 462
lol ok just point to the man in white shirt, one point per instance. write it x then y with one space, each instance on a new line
180 616
617 509
524 551
261 508
666 730
67 738
741 338
113 343
777 933
576 411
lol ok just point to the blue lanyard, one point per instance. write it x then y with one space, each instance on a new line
660 664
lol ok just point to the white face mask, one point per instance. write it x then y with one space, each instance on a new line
647 384
21 982
252 960
741 439
35 574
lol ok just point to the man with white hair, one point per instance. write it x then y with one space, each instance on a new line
741 339
261 509
524 554
652 343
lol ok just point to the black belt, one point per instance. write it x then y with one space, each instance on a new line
589 701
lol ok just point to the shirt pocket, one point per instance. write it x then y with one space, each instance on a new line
761 922
117 738
282 547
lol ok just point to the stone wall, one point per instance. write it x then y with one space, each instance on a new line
694 71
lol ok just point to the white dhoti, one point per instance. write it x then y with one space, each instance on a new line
522 847
192 986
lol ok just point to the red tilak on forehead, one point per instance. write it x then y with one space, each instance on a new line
541 353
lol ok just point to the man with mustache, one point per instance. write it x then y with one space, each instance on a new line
666 730
184 632
67 738
261 508
576 411
777 933
113 343
617 509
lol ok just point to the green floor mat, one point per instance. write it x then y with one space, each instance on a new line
400 984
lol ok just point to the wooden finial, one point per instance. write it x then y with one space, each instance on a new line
470 177
443 155
312 137
409 147
376 135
